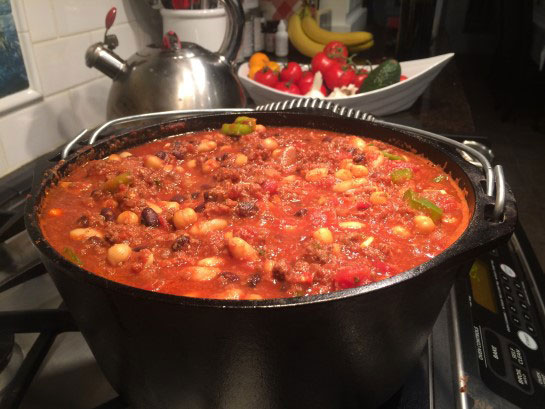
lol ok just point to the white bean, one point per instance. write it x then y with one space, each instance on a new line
241 250
323 235
81 234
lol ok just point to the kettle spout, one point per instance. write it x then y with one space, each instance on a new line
105 60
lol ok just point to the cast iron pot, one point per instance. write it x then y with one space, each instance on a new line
347 349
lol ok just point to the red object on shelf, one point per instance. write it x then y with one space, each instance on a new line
110 17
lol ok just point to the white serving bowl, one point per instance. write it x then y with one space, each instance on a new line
384 101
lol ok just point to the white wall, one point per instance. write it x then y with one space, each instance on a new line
73 96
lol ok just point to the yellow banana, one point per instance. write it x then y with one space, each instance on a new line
361 47
318 34
300 40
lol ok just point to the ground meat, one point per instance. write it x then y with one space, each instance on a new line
316 252
246 209
280 270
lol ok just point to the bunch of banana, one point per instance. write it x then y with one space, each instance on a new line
309 38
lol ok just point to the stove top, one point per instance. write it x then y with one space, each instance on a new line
486 349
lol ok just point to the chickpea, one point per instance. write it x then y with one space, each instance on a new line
343 186
191 164
153 162
211 262
359 181
114 158
241 250
269 144
260 128
199 273
316 174
343 174
359 170
127 217
210 165
401 231
240 160
206 146
424 224
184 217
378 198
357 143
81 234
118 253
168 168
323 235
351 225
125 154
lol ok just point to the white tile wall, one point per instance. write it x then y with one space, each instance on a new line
61 62
41 22
74 96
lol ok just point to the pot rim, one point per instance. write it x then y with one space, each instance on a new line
473 230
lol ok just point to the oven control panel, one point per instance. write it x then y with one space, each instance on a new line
507 332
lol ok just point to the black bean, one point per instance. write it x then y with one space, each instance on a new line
139 248
179 155
83 221
161 155
246 209
97 194
254 280
222 157
179 198
195 195
210 197
359 158
149 217
180 243
229 277
327 139
300 212
200 207
108 214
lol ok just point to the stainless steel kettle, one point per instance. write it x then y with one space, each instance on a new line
173 76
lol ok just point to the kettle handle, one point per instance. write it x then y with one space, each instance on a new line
233 33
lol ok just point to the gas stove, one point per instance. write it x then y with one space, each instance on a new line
487 349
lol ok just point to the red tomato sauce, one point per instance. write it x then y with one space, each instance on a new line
279 212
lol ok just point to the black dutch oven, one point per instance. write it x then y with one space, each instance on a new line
348 349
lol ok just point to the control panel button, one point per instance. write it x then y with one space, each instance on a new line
513 309
526 316
508 270
523 305
530 329
528 341
493 349
515 320
516 355
539 377
507 287
521 295
510 298
521 378
518 286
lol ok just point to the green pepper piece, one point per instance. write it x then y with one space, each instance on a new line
112 185
391 156
401 175
246 120
236 129
72 256
425 205
439 178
